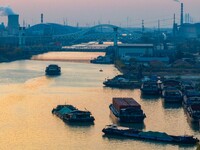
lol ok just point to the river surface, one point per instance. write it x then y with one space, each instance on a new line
27 97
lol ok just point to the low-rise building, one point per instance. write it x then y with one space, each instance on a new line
141 53
134 50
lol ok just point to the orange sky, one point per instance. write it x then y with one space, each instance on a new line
90 12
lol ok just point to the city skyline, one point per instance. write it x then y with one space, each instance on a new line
125 13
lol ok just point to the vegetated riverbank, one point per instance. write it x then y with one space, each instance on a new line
10 53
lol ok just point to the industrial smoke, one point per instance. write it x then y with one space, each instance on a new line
176 0
5 11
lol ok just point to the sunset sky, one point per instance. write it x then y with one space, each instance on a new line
91 12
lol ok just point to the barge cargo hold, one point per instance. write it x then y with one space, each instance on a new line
127 110
148 135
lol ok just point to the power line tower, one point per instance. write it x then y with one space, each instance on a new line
142 25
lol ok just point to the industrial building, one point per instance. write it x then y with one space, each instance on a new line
188 31
13 24
134 50
39 34
143 53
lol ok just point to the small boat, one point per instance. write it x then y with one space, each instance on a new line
188 101
171 83
127 110
120 82
187 86
102 60
53 70
171 94
69 113
193 112
148 135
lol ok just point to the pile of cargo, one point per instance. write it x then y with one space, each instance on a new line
127 110
122 103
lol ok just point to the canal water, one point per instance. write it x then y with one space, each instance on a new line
27 97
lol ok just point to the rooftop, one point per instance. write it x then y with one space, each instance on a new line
135 45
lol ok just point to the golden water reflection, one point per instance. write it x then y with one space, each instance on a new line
26 121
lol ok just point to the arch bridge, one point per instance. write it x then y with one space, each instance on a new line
102 32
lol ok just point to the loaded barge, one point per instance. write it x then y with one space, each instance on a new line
53 70
69 113
150 87
127 110
148 135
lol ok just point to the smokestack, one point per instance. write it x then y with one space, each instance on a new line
174 26
142 25
13 23
181 21
42 17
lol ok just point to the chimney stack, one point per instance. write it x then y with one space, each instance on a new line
42 16
13 23
181 21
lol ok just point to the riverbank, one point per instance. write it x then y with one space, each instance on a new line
9 54
192 72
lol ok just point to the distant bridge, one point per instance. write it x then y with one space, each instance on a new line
102 32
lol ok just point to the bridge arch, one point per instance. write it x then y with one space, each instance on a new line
88 33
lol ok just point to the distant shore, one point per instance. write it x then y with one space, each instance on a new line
9 54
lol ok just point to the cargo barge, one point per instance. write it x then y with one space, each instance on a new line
69 113
53 70
171 94
127 110
150 87
119 83
148 135
191 97
193 112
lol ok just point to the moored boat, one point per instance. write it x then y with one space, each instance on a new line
148 135
188 101
150 87
69 113
119 82
193 112
171 94
127 110
186 85
102 60
171 83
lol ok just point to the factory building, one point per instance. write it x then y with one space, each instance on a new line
188 31
13 24
134 50
39 34
2 29
142 53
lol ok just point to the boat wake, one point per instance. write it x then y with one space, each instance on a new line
36 83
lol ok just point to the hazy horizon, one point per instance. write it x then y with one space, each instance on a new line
88 13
